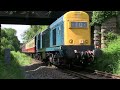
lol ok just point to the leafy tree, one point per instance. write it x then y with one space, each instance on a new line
3 34
10 32
100 16
9 39
4 43
32 31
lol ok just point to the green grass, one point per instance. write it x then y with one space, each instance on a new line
13 70
21 58
110 60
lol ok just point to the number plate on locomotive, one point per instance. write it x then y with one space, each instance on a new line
78 24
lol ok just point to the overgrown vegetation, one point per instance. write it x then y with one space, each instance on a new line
21 58
32 31
110 36
100 16
14 70
9 39
110 60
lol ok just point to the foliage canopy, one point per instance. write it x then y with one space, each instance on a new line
100 16
9 39
32 31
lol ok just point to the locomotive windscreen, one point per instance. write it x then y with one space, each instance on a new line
78 25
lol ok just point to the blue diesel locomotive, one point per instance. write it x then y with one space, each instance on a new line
67 41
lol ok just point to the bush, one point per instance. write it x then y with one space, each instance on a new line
110 60
111 36
99 17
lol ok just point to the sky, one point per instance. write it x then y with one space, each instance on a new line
19 28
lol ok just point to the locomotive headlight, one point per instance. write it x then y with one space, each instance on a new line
75 51
70 41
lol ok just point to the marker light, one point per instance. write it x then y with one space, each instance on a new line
86 41
70 41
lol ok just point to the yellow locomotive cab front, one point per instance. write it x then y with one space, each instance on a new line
77 29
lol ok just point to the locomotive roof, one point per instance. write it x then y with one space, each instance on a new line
57 21
61 18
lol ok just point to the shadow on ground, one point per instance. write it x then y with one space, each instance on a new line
34 66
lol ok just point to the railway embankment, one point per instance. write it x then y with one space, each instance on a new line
110 59
13 70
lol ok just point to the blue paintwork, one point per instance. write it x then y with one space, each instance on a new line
40 37
53 48
58 25
62 33
56 22
59 35
40 40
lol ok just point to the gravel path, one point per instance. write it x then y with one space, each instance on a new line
38 70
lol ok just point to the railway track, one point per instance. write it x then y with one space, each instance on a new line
76 75
86 74
107 75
